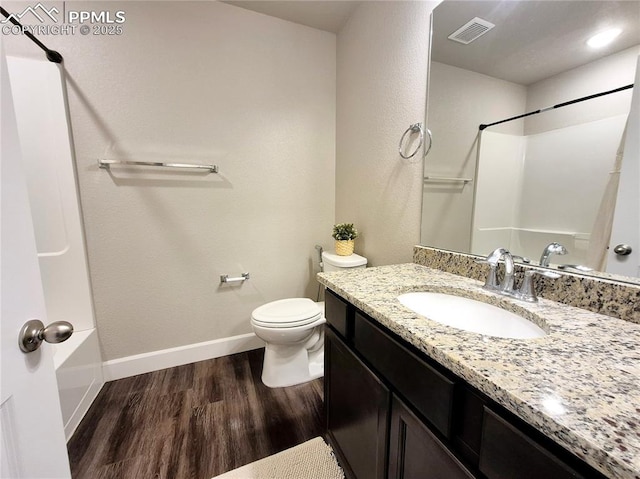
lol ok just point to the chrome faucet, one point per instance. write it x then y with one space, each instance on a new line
551 248
492 260
527 291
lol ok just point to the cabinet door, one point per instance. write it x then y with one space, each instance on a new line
507 453
357 411
415 452
467 428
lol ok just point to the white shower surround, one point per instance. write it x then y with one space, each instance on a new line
532 190
47 152
79 374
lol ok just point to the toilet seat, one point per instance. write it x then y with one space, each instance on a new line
287 313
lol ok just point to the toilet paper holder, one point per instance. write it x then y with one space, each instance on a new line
224 278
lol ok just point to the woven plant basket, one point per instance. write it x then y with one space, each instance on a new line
345 247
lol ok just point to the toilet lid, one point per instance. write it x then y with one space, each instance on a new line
286 313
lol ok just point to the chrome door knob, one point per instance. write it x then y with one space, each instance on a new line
34 332
622 249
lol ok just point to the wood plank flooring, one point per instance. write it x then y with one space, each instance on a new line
193 422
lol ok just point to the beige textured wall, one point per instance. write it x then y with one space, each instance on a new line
381 65
202 82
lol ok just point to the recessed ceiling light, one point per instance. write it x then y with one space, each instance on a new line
603 38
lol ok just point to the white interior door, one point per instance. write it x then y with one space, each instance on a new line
626 220
32 437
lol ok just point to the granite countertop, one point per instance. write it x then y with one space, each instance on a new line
579 385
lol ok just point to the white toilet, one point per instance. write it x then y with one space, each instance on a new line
334 262
293 332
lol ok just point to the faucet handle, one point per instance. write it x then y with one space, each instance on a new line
524 259
491 283
496 255
527 291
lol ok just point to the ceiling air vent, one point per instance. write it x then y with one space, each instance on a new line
471 30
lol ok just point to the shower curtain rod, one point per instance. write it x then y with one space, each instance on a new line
559 105
52 55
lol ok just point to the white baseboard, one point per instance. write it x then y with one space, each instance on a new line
168 358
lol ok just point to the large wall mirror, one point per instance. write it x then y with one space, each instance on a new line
544 178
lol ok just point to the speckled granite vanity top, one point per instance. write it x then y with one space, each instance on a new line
580 384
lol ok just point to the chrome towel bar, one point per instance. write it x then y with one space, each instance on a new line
224 278
106 164
447 178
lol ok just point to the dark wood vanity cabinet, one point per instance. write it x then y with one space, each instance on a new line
359 404
508 452
337 314
393 413
428 390
415 452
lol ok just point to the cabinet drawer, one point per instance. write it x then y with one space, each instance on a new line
416 453
335 310
428 391
508 453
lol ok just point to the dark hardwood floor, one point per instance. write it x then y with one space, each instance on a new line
193 422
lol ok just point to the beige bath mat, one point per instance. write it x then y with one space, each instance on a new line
313 459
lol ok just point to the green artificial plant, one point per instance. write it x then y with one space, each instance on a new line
344 232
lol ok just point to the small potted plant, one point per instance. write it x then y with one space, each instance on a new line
344 234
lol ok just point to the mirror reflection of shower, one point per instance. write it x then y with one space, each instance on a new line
533 190
502 75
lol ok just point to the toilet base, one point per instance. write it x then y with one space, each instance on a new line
290 365
316 364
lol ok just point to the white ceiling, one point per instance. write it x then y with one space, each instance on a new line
532 39
321 14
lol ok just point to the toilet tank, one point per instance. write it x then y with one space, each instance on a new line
334 262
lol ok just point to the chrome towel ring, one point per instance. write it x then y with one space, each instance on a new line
415 128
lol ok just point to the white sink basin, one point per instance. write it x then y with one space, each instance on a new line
471 315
